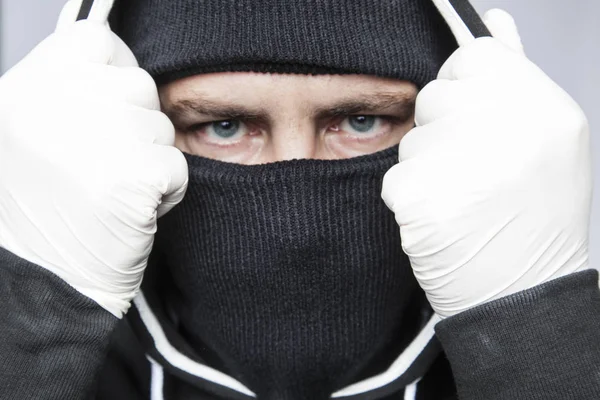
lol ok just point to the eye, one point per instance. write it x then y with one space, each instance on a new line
361 124
227 129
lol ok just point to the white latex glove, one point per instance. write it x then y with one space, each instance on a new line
86 160
493 190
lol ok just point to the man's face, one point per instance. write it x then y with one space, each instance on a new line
255 118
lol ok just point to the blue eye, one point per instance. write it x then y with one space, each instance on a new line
361 123
225 129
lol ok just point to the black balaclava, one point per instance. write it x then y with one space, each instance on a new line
288 276
402 39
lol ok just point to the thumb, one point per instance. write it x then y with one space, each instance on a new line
90 39
502 26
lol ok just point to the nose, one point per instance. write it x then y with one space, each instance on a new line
293 141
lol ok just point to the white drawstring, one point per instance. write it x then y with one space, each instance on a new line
157 380
410 393
458 27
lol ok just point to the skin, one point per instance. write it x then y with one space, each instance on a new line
256 118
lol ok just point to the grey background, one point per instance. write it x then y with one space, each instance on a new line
561 36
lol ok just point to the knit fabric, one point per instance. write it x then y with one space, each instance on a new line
290 276
48 331
402 39
522 360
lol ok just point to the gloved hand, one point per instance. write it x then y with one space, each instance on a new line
86 160
493 190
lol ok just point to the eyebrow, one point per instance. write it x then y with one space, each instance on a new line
401 104
223 111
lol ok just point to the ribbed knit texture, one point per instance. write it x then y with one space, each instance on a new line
551 352
48 331
291 272
403 39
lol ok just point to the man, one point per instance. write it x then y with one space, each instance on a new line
280 275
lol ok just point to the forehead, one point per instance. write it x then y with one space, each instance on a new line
284 90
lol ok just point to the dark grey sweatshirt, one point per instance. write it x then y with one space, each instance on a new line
542 343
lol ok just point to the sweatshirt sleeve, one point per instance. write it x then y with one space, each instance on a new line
542 343
53 340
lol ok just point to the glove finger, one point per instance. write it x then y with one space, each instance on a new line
121 56
131 84
503 27
86 40
68 15
173 181
162 132
389 187
142 125
484 56
442 107
118 55
422 139
446 136
100 10
405 187
438 99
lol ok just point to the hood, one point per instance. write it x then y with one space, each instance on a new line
398 39
461 17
